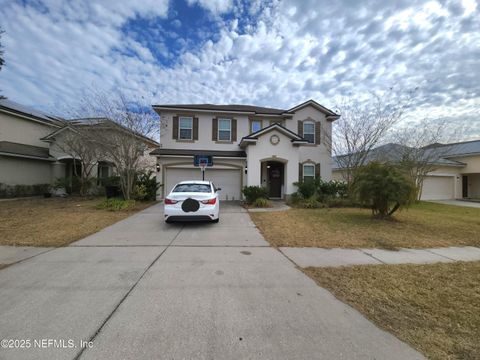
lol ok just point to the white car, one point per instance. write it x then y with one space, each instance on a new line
192 200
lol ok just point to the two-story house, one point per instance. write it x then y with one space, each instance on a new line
250 145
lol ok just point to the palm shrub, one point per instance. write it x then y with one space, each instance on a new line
383 187
146 186
252 193
261 203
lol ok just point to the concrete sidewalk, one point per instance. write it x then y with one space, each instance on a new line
317 257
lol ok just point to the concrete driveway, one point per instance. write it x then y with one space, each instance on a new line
145 289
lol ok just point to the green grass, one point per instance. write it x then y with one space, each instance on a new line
435 308
420 226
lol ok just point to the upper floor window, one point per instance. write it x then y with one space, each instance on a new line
308 172
224 129
256 125
185 128
309 131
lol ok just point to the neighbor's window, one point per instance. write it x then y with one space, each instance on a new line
308 172
256 125
185 128
309 131
224 129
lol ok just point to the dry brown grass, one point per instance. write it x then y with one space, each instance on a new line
435 308
421 226
55 221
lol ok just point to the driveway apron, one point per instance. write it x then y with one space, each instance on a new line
145 289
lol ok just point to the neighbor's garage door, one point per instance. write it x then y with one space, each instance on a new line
438 188
228 180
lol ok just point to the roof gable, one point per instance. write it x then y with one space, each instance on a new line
331 115
253 137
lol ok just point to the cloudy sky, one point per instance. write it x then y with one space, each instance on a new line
270 53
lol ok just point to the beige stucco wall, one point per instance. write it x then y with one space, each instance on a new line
20 171
317 153
19 130
284 152
291 155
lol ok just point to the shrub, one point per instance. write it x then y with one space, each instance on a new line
311 203
109 181
253 193
13 191
146 186
383 187
261 203
339 202
70 184
306 189
116 204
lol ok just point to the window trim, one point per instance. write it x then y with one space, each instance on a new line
312 133
255 121
218 129
184 128
303 171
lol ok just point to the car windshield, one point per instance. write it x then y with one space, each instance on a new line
199 188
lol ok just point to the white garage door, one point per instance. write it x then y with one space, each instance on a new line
438 188
229 180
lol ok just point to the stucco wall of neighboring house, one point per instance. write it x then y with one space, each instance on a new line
337 175
23 131
284 152
21 171
472 164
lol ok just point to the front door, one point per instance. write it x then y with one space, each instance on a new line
275 179
465 186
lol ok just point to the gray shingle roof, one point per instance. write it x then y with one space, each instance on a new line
460 148
30 112
233 107
395 152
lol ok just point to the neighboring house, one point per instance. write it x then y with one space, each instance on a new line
250 145
455 174
29 152
24 158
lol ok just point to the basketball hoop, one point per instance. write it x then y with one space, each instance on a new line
202 161
203 164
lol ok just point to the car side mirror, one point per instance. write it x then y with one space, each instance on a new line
218 189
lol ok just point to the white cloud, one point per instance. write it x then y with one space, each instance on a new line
288 54
217 7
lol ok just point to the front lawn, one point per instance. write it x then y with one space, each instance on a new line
435 308
422 225
55 221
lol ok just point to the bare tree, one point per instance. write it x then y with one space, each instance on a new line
122 130
422 151
77 142
362 126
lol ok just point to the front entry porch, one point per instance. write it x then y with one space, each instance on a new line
273 178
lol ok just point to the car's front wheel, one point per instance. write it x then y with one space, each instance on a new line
216 220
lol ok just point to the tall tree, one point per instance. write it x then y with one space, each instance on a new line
363 125
76 141
122 129
422 151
